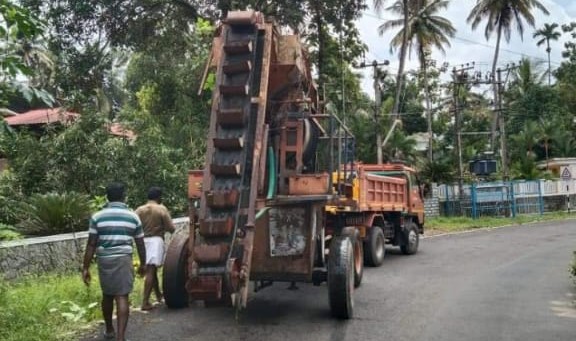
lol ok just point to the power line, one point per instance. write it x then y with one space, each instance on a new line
368 14
506 50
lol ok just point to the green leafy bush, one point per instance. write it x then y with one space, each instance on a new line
54 213
97 203
8 232
73 312
10 195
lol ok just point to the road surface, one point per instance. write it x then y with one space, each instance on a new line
492 285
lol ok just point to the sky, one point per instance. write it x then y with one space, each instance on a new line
468 46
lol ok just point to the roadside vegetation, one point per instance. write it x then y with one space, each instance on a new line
52 307
458 224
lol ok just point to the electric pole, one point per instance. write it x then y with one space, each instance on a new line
428 62
378 75
502 119
459 78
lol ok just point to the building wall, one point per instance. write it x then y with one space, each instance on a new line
59 253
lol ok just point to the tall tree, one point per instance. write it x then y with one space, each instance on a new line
547 130
18 28
547 33
333 22
501 17
425 30
398 7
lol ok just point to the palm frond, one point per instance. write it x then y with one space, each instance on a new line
54 213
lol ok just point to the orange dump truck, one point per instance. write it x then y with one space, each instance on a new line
385 205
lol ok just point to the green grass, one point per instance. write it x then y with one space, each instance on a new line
457 224
51 307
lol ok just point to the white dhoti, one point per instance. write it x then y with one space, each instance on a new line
154 250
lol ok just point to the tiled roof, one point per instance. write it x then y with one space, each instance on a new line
59 115
118 129
42 116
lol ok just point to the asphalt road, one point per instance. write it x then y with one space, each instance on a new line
506 284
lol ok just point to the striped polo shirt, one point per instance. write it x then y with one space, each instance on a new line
116 225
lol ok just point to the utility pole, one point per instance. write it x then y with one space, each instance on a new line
502 120
460 78
428 62
378 75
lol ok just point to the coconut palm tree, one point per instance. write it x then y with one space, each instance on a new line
425 30
378 6
400 147
501 17
526 76
526 139
563 144
547 33
547 130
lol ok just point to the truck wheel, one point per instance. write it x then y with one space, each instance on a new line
341 277
411 239
374 247
174 275
357 243
358 261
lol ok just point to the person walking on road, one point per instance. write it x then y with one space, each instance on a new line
110 236
156 221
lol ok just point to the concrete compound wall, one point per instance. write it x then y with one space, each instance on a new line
432 207
59 253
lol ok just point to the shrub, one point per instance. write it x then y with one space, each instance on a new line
10 195
54 213
8 232
97 203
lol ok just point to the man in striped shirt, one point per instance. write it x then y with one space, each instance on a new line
111 232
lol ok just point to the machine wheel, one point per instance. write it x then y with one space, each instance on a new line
174 275
341 277
411 239
375 247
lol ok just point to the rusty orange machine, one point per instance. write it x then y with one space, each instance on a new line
265 208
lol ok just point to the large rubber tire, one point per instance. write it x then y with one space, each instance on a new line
357 243
411 239
374 247
174 275
341 277
358 262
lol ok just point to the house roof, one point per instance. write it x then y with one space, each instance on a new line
117 129
557 162
42 116
59 115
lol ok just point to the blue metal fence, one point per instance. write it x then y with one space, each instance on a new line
496 199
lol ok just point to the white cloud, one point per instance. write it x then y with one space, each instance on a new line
468 46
